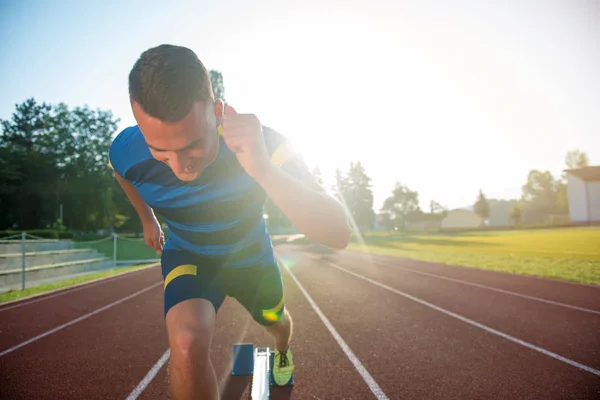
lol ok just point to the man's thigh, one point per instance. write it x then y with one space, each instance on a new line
259 289
187 276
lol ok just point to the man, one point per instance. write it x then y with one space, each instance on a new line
208 171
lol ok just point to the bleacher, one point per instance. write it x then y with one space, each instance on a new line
46 261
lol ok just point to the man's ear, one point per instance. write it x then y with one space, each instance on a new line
219 108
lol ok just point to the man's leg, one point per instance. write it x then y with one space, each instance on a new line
282 331
194 292
190 327
260 290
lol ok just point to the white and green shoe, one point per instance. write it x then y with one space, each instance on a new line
283 367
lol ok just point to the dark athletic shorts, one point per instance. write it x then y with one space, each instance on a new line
258 288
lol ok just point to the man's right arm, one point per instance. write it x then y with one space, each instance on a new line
144 210
153 234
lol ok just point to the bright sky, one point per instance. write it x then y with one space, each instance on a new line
444 98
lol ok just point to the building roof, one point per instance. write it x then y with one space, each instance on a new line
586 174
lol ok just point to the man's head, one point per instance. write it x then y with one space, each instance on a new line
173 103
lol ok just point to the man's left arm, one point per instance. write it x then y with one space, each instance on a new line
309 208
290 185
272 162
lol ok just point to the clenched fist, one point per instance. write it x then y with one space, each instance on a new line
244 136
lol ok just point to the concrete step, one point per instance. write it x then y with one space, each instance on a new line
37 258
12 278
14 246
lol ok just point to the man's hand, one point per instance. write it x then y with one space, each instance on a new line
153 235
244 136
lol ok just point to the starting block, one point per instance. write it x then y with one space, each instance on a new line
258 362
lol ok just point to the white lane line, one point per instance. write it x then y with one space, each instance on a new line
149 376
484 271
556 303
71 289
471 322
357 364
58 328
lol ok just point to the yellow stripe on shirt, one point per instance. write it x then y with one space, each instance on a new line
282 154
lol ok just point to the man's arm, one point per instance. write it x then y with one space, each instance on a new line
312 211
153 234
144 211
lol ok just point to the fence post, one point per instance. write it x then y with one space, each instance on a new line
114 250
23 237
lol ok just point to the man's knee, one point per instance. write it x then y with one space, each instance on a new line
190 347
190 334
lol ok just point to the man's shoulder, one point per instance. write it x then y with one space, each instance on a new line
273 138
127 149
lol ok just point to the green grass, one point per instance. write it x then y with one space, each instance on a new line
17 294
570 254
127 249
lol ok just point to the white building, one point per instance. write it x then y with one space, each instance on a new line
460 218
583 191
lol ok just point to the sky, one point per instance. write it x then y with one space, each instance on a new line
446 97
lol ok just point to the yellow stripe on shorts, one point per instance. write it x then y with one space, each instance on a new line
271 314
179 271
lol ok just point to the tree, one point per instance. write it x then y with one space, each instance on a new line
27 171
576 159
400 206
53 155
500 211
316 173
340 186
562 198
515 215
540 196
216 79
359 196
435 207
482 207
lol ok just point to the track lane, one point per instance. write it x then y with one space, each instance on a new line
23 323
410 350
322 369
101 357
66 290
576 294
570 333
416 352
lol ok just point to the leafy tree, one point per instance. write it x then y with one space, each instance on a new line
400 206
359 196
52 155
540 196
500 211
340 186
216 78
436 208
576 159
515 215
562 199
482 206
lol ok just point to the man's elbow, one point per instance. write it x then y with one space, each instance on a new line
340 239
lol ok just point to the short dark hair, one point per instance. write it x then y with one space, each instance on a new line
167 80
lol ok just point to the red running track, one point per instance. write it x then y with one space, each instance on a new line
366 327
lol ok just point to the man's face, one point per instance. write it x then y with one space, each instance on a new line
186 146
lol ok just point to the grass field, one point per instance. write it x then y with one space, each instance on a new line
127 249
570 254
18 294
